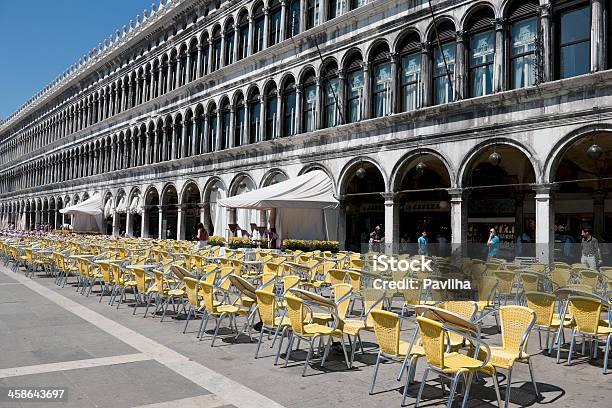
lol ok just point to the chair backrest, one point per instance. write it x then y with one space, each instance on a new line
586 313
560 277
336 276
516 323
268 282
589 278
223 277
117 273
432 336
505 281
537 267
207 296
341 290
192 287
270 267
355 280
356 263
464 308
387 330
487 287
160 281
530 281
141 279
295 311
266 304
493 266
290 281
543 304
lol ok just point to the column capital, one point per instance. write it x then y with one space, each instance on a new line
460 35
389 197
545 10
457 194
500 24
543 191
425 47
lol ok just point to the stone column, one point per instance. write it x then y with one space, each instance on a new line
128 223
278 123
160 223
113 160
597 36
460 85
222 61
545 17
147 159
115 224
545 219
180 228
160 79
499 73
367 92
173 152
199 61
425 85
391 223
211 56
341 97
219 132
156 145
318 108
262 118
144 223
266 26
283 21
127 103
169 76
251 36
302 16
236 42
205 148
177 75
459 220
299 108
394 83
188 77
185 142
230 132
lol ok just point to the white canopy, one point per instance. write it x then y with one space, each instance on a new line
86 215
312 190
91 206
136 205
108 208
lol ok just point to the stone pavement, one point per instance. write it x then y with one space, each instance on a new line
106 357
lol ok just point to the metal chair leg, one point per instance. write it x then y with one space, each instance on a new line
288 351
280 345
418 399
496 384
259 341
508 387
375 373
466 391
535 385
453 388
188 318
571 350
308 356
607 353
219 320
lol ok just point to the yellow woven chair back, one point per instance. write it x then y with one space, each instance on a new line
589 278
117 274
226 262
270 267
432 336
141 279
356 263
160 282
192 287
493 266
290 281
336 276
266 304
387 330
560 277
515 324
487 287
196 261
207 296
586 313
355 280
296 313
412 296
266 278
340 290
372 301
561 265
237 264
464 308
530 281
543 304
223 273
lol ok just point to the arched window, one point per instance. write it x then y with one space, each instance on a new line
216 49
193 57
357 3
205 56
239 121
258 26
254 117
173 62
199 130
212 128
309 99
523 32
164 76
229 42
243 36
226 124
443 63
312 13
410 72
183 67
271 109
289 107
168 139
481 52
293 19
381 81
573 50
274 22
331 86
354 89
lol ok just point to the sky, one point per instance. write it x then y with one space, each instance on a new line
41 38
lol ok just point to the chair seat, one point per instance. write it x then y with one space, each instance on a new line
457 362
129 283
176 292
320 329
504 358
322 318
353 327
282 321
232 309
416 350
604 330
484 304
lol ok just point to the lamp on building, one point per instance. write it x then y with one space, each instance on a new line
595 151
495 158
420 168
361 172
214 187
444 205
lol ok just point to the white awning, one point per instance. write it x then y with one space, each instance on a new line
91 206
108 208
122 206
311 190
135 205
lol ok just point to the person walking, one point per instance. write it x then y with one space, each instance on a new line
493 244
423 244
202 236
591 254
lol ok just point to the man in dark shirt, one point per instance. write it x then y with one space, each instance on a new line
591 255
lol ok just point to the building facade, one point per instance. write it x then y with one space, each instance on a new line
454 118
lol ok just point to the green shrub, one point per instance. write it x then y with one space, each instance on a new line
216 240
315 245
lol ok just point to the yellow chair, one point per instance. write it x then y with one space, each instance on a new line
391 348
516 324
543 305
586 314
270 320
336 276
308 331
192 290
142 285
487 289
561 277
121 281
454 365
466 309
165 293
505 285
218 310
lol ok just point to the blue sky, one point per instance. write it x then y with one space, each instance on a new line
41 38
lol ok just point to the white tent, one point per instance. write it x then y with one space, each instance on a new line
122 207
306 207
86 215
108 208
136 206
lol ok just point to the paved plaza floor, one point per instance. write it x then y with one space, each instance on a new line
106 357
